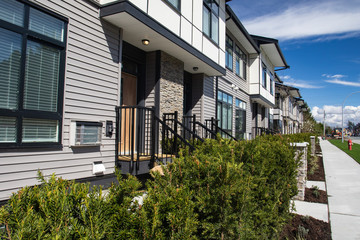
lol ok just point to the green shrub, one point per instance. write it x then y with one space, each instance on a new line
223 190
61 209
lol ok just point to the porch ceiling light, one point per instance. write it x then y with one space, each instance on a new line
145 41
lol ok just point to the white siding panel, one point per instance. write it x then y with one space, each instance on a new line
186 30
186 9
197 13
222 29
222 58
163 13
197 38
140 4
210 50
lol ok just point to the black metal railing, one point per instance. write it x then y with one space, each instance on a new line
213 124
170 141
258 131
186 128
141 136
135 134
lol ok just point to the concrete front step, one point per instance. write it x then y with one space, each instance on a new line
315 210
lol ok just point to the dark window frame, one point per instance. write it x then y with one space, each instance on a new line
242 57
240 133
208 4
20 114
231 48
264 78
221 103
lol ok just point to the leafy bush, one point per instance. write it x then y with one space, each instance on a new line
223 190
61 209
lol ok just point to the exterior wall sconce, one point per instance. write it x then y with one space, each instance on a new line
145 41
195 68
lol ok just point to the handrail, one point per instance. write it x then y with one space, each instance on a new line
212 120
175 133
187 129
226 133
206 128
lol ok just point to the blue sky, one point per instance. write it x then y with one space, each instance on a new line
321 42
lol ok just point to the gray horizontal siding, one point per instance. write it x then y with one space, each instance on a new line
209 98
91 94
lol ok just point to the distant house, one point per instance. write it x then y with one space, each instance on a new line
288 112
262 88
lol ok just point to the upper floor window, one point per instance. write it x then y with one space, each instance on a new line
211 19
264 73
290 105
271 84
240 62
229 53
175 3
32 57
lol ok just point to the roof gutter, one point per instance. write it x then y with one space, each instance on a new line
241 27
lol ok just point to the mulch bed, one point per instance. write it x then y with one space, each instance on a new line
319 173
311 197
307 228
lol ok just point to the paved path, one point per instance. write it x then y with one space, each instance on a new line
343 188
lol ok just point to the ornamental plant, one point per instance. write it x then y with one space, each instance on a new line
222 190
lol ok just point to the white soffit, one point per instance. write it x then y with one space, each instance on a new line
233 28
134 31
272 52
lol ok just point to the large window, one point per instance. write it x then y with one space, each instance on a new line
264 73
240 119
32 53
224 111
229 53
240 63
271 84
211 19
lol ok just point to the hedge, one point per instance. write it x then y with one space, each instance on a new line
223 190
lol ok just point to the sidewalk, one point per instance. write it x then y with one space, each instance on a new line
343 188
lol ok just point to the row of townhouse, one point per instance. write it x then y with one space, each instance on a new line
84 83
289 109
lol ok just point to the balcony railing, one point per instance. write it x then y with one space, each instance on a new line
258 131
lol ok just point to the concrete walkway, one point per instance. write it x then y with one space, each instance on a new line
343 188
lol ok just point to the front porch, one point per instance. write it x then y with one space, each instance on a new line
143 140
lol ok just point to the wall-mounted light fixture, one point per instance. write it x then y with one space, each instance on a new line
195 68
145 41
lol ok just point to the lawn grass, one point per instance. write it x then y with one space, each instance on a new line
354 153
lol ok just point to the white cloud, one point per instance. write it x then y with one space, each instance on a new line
337 79
334 116
289 81
346 83
309 19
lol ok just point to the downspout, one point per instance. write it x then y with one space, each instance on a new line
216 94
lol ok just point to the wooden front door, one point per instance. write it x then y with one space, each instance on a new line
128 115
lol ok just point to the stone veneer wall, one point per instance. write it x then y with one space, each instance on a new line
301 148
171 85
